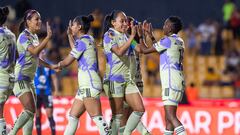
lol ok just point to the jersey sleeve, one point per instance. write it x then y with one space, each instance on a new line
79 48
163 44
110 38
25 41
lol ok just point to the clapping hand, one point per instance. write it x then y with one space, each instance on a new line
69 30
49 31
56 68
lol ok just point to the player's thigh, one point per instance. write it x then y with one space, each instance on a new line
77 108
133 97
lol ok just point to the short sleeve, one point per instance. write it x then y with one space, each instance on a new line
110 39
163 44
79 48
25 41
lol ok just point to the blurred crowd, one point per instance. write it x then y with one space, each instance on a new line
210 38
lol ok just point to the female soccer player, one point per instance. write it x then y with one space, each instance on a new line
118 84
136 75
28 47
171 49
45 81
90 85
7 62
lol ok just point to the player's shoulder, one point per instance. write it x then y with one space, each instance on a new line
111 33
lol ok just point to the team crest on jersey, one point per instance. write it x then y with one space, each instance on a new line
111 34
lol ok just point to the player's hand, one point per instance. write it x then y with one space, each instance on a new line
49 31
147 27
140 30
56 68
133 29
69 30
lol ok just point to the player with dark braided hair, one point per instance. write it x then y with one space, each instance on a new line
171 49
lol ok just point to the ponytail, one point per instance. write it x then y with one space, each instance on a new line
107 23
22 26
4 11
85 22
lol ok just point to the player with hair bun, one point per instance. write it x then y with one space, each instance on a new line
90 85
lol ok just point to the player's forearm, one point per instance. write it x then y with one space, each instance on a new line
123 49
71 40
66 62
45 64
41 46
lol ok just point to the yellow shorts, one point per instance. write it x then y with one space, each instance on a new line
119 89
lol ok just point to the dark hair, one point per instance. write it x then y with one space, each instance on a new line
84 21
4 11
176 23
108 19
27 16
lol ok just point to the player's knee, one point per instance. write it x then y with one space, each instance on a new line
30 113
170 117
31 108
139 109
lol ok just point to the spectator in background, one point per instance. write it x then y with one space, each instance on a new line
191 39
237 87
218 47
227 9
211 77
20 7
207 31
232 61
235 23
97 23
192 92
235 26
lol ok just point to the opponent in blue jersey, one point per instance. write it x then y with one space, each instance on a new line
7 63
170 49
45 82
28 48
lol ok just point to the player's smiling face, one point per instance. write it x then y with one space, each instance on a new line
120 23
34 24
167 27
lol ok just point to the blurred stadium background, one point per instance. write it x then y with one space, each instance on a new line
211 63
